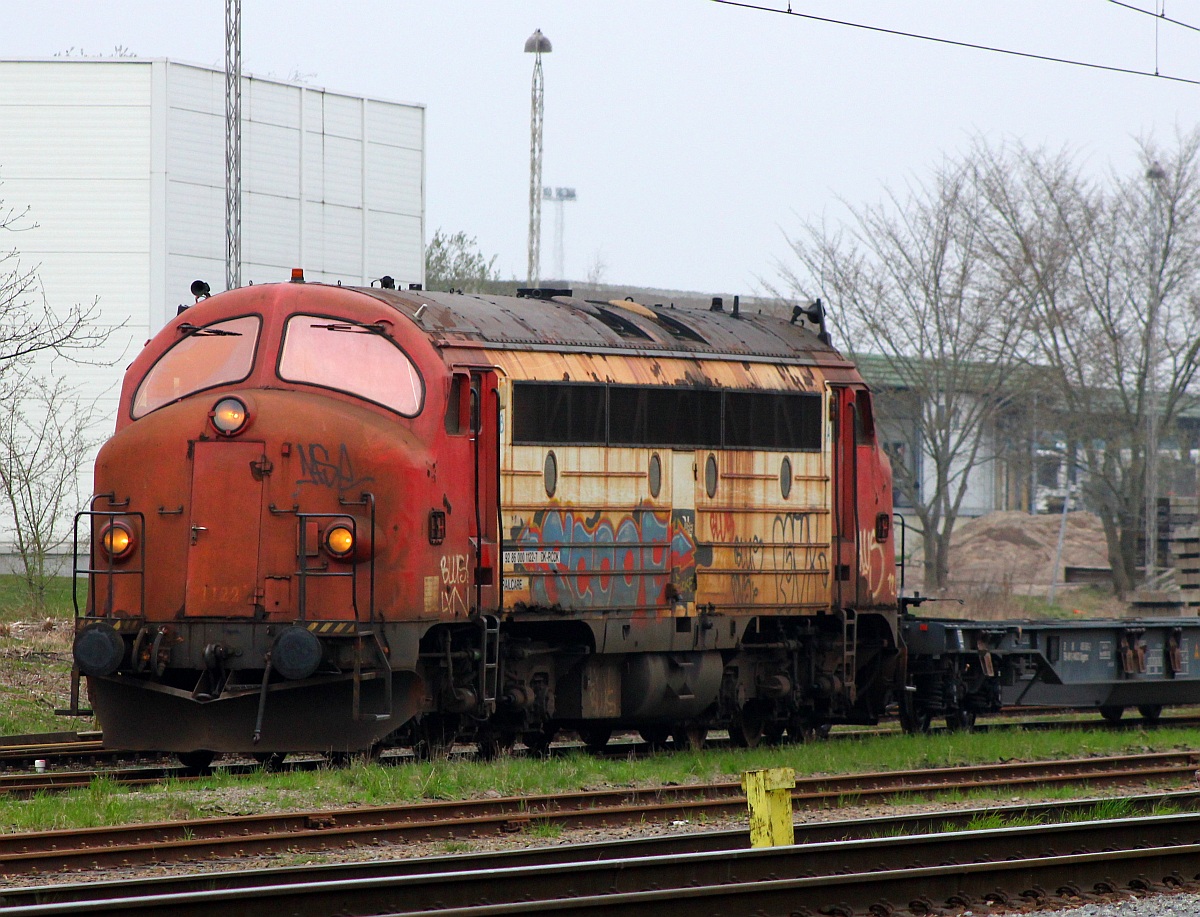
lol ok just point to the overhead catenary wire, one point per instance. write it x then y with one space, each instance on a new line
955 43
1157 15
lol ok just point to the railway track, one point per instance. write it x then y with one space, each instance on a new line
133 845
61 751
921 864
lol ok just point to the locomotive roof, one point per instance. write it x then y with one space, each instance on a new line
567 324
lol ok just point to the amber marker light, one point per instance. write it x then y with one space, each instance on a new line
116 540
229 416
339 540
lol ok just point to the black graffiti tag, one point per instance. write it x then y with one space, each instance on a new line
317 467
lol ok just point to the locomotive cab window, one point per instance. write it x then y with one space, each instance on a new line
204 357
462 406
360 360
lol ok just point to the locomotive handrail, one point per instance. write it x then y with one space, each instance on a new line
304 571
368 499
902 555
110 569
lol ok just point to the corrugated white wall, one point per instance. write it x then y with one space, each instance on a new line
330 183
121 164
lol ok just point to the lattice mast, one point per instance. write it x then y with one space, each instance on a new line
233 144
537 44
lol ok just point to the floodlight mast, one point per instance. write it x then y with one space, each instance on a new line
233 144
560 196
537 44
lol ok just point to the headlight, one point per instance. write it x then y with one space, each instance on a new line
339 540
116 540
229 416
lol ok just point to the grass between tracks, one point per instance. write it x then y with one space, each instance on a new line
105 803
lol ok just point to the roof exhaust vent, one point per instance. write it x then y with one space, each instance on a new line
540 292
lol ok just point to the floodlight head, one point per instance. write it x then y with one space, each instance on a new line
537 43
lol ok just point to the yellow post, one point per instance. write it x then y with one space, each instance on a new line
769 796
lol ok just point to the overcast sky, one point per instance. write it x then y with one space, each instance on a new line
696 134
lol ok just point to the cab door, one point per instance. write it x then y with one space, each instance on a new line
861 503
222 564
843 501
485 472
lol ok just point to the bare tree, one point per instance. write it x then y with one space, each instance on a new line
43 445
28 326
916 292
43 422
1109 273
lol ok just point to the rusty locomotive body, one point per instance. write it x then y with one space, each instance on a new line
331 518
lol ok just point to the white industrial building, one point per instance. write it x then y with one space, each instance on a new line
121 166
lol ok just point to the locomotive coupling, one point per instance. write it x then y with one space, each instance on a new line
99 649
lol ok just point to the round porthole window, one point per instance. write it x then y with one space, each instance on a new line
655 475
550 474
710 476
785 477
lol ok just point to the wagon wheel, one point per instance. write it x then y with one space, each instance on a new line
914 719
748 727
960 720
1112 713
595 738
690 737
270 761
538 741
1150 712
655 736
196 762
435 736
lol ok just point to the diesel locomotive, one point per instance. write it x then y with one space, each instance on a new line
332 518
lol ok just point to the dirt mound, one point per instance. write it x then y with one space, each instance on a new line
1014 551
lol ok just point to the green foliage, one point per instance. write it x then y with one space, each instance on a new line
454 262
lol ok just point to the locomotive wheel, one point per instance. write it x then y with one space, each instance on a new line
1112 714
350 758
801 729
748 728
595 738
269 761
689 738
773 732
494 743
1150 712
196 762
538 742
655 736
435 736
